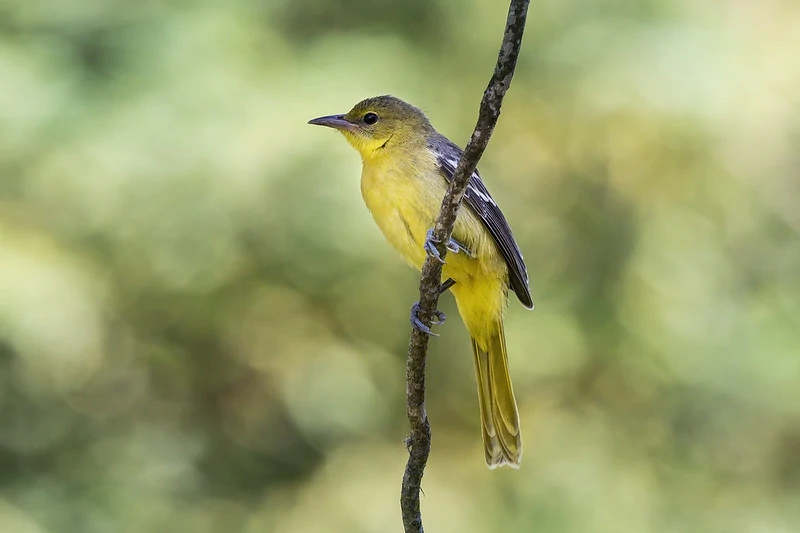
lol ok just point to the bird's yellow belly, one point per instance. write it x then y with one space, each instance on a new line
404 210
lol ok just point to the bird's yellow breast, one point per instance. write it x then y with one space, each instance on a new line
404 195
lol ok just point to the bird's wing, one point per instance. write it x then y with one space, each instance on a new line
478 198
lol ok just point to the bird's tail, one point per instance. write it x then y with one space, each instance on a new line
499 416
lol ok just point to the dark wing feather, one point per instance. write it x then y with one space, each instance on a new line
482 203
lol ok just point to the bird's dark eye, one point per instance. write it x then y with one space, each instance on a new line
370 118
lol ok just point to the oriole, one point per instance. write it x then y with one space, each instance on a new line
406 168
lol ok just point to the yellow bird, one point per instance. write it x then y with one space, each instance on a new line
407 165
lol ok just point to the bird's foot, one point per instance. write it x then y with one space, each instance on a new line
430 246
452 245
455 247
439 318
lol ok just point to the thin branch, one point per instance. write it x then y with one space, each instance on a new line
420 440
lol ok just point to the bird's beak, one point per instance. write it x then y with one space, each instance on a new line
333 121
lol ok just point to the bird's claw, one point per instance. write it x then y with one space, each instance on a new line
430 246
455 247
439 318
452 246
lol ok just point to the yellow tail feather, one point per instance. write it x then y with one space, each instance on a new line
499 415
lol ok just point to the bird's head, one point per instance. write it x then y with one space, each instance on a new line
378 123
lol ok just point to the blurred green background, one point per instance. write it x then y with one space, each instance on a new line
202 330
